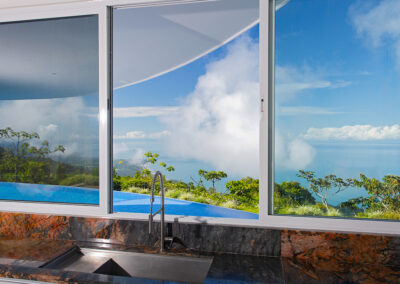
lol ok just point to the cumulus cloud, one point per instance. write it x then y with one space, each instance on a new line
127 112
64 121
138 157
159 135
379 23
47 130
292 154
143 135
354 132
131 135
119 148
218 123
129 153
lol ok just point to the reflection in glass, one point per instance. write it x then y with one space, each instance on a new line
337 148
186 103
49 138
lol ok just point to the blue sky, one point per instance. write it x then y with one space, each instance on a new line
336 99
176 89
347 49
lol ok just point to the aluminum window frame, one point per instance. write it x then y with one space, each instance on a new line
322 223
266 218
62 11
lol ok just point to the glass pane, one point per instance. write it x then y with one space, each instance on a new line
49 137
337 150
186 104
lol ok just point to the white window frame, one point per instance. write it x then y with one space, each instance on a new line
70 10
41 9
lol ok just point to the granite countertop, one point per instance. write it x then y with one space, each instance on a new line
31 252
22 259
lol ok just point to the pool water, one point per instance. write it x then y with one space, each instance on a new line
123 201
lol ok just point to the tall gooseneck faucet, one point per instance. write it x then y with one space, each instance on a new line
161 210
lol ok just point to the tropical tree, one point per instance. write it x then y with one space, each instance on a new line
323 187
23 148
142 178
244 190
292 194
153 158
212 176
383 195
19 138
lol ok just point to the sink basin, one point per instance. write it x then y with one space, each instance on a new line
140 265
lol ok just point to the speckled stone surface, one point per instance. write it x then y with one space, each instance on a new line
37 250
229 268
347 248
207 238
299 246
338 272
227 239
20 226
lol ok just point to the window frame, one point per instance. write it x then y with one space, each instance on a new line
62 11
103 8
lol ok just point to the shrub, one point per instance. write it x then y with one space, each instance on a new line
291 194
229 204
187 196
173 193
81 180
379 214
309 210
202 199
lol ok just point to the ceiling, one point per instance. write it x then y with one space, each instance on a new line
59 58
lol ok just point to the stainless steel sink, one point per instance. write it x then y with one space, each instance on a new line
141 265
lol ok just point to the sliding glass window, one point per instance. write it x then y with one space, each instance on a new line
336 122
49 105
186 93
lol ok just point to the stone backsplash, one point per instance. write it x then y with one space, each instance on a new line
300 246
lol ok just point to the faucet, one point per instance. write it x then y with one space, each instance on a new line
161 210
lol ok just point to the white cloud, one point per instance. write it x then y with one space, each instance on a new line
159 135
291 81
292 154
219 122
143 135
47 130
61 121
126 112
354 132
304 110
379 24
131 135
138 157
119 148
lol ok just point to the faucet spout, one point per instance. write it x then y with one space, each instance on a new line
161 210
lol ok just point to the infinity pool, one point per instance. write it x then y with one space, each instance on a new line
123 201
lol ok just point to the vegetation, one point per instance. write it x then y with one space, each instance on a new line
321 187
383 201
212 176
25 158
290 197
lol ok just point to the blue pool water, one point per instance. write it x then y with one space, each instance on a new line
123 201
